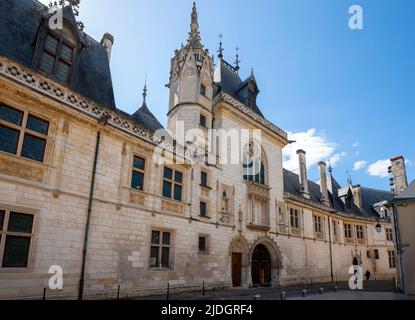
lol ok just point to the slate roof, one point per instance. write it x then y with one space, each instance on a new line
19 25
369 196
230 83
146 118
409 192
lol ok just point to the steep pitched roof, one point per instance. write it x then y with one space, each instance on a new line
147 119
20 21
369 196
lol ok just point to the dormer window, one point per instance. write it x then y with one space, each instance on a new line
56 58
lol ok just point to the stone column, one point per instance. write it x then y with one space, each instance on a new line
303 174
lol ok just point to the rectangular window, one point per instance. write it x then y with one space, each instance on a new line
389 234
22 134
57 58
139 166
202 121
360 233
318 225
173 184
15 238
203 89
348 231
294 218
392 259
204 179
203 209
160 251
203 244
376 252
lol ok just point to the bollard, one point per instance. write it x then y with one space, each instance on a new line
44 293
257 297
168 291
118 292
283 295
304 293
321 291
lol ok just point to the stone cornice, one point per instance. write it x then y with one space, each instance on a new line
222 96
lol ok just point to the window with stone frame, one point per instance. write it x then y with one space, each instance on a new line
335 228
204 179
173 184
360 232
203 244
392 259
295 221
389 234
57 57
138 175
22 133
161 249
318 224
203 209
16 236
348 231
203 90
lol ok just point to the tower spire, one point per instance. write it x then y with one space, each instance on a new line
237 62
220 51
194 35
144 105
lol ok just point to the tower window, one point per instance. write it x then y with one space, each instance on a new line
203 209
204 179
203 90
57 58
202 121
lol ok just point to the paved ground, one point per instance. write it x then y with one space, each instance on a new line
357 295
380 289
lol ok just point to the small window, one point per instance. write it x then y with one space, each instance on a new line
204 179
392 259
294 218
348 231
360 234
318 225
160 251
203 90
376 252
57 58
173 188
389 234
15 239
137 181
203 209
22 134
203 121
203 244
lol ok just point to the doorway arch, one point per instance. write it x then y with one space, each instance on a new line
261 267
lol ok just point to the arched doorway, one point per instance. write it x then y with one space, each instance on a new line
261 267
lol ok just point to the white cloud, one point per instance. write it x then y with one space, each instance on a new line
359 165
317 146
356 145
379 169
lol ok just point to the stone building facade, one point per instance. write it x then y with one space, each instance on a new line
80 187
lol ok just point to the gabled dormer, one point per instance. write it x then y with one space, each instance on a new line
248 93
57 50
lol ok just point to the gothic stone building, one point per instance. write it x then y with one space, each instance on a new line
79 188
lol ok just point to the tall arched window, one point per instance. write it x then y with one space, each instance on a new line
253 164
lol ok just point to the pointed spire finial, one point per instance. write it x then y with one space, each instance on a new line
330 168
220 51
237 62
349 178
194 35
145 92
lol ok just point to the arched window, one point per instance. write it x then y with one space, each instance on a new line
253 165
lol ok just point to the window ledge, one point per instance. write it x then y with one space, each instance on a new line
206 187
258 227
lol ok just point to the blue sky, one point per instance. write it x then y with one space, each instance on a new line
344 95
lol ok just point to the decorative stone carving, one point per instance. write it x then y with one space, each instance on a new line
169 206
21 169
136 198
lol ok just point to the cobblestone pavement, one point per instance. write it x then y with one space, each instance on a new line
370 288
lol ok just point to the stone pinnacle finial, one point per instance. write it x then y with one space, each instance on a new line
237 61
194 35
220 51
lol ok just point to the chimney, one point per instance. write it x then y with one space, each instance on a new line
303 174
399 181
107 42
323 184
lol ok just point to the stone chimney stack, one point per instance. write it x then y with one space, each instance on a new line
303 174
107 42
323 183
399 181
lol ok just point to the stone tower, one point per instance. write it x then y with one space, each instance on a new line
191 83
399 181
